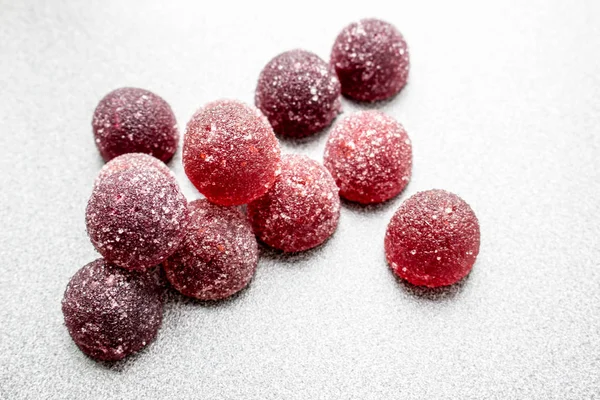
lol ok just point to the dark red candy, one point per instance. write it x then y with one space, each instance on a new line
131 120
369 155
110 312
218 256
136 214
302 208
371 60
299 93
230 152
433 239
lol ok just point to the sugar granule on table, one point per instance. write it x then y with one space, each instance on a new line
230 152
299 93
371 60
136 215
432 239
111 313
132 120
218 256
301 210
369 154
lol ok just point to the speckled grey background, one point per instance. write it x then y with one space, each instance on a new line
503 108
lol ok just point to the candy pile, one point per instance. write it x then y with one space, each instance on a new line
140 222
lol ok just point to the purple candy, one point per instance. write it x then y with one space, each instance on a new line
136 215
131 120
110 312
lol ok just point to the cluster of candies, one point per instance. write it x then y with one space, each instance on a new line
137 217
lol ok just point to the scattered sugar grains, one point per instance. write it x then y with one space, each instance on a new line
302 208
369 155
110 312
131 120
218 256
371 60
432 239
299 93
136 215
230 152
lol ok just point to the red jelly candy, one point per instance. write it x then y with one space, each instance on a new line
299 93
371 60
302 208
110 312
370 157
433 239
218 256
137 214
230 152
131 120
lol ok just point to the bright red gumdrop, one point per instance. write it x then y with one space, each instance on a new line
302 208
371 60
299 93
230 152
218 256
131 120
136 214
369 155
433 239
110 312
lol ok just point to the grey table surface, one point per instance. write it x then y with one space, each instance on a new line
503 108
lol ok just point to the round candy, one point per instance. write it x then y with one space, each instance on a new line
299 93
218 256
131 120
136 214
433 239
230 152
370 157
110 312
371 60
302 208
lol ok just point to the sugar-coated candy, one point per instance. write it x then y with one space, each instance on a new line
230 152
302 208
369 155
299 93
371 60
136 214
432 239
218 256
132 120
110 312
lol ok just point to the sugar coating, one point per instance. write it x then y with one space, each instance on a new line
135 160
302 208
132 120
369 155
371 60
230 152
218 256
432 239
110 312
299 93
136 215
